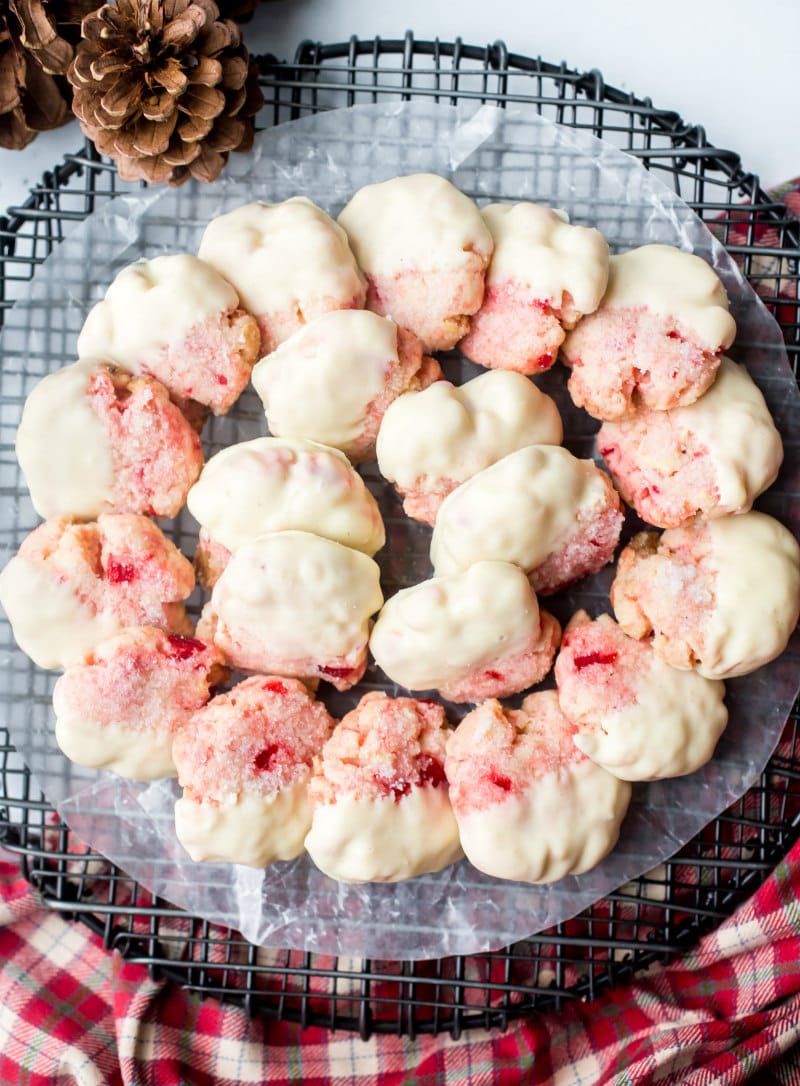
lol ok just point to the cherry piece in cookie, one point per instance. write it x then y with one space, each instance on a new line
635 716
122 709
244 763
289 262
333 381
713 457
556 517
279 484
175 318
657 338
379 795
473 635
295 604
424 248
72 586
720 596
544 276
432 441
530 806
93 439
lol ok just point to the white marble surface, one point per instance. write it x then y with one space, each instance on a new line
726 64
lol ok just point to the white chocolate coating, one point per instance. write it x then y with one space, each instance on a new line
58 630
669 281
251 829
303 596
320 382
384 840
563 824
536 246
413 222
436 632
273 484
733 422
757 594
278 256
451 432
518 510
62 447
135 753
151 305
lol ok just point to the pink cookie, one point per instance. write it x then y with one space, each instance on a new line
293 603
333 381
123 707
721 596
657 338
432 441
176 319
210 560
544 276
289 262
713 457
635 716
556 517
379 794
424 248
244 763
72 586
530 806
474 635
93 439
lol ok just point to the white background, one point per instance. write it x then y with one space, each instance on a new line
731 65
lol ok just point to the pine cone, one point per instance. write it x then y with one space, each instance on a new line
36 46
165 88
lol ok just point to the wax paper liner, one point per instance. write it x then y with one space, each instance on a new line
492 154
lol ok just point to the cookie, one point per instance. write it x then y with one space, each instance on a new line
544 276
473 635
530 806
432 441
379 795
656 340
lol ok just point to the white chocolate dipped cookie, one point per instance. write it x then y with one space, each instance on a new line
332 381
244 764
122 709
379 796
292 603
635 716
175 318
290 263
656 339
544 276
277 484
713 457
93 439
473 635
432 441
530 806
424 249
556 517
72 586
720 596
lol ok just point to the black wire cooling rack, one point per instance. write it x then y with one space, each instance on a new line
647 921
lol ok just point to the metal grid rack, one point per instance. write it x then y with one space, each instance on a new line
649 920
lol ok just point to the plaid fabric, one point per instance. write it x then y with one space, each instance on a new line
74 1014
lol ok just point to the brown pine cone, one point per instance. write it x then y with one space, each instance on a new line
36 47
165 88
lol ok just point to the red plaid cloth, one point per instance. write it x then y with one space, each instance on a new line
74 1014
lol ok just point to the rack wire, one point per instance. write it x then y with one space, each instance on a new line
649 920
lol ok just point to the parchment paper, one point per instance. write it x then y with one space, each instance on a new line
491 154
